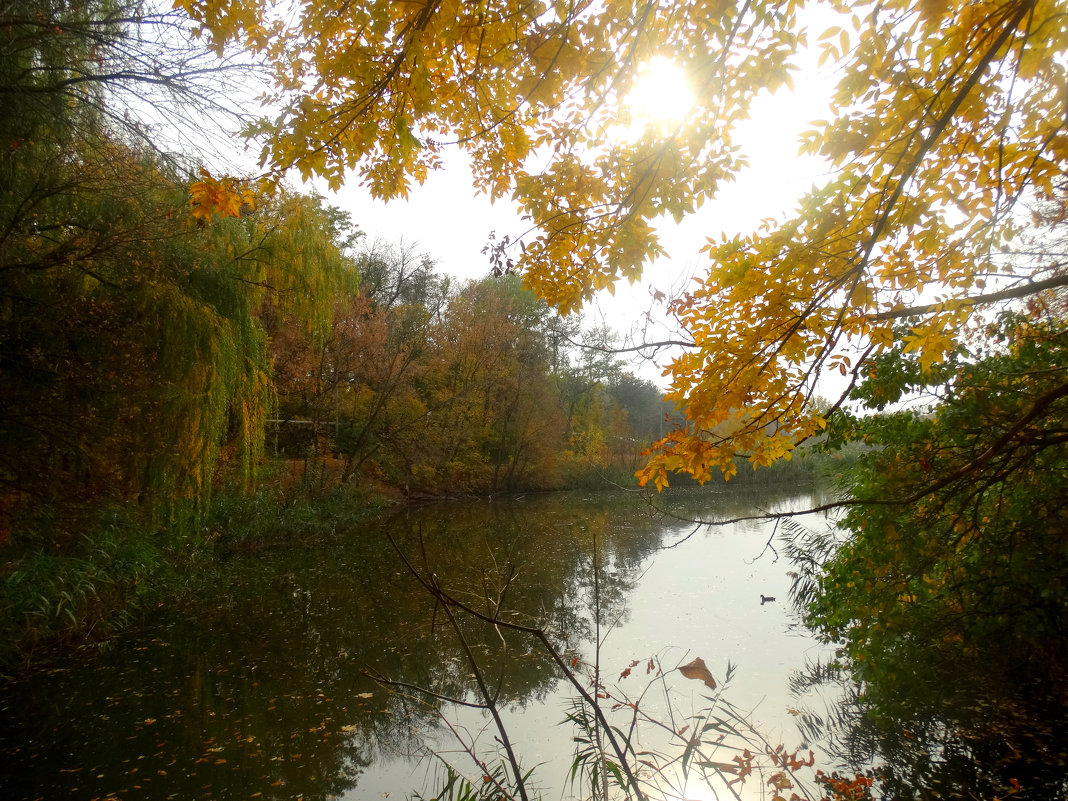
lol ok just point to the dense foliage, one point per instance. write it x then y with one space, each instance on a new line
446 389
131 347
948 592
947 118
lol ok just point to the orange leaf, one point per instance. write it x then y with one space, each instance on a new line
697 669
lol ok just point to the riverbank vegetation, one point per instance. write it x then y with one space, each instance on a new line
192 361
946 585
156 355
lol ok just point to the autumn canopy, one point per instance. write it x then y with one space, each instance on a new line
947 146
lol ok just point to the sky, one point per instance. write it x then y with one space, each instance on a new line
447 220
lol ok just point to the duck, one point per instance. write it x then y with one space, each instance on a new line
766 598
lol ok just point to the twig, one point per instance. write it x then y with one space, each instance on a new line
774 531
448 601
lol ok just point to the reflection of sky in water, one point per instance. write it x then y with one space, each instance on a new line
699 598
259 692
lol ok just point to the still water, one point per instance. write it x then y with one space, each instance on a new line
263 692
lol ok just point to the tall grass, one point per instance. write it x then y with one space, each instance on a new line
92 584
266 518
59 587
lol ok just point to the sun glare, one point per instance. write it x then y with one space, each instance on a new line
661 94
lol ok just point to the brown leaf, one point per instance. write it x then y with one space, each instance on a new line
697 669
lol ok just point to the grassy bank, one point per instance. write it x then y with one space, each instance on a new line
59 588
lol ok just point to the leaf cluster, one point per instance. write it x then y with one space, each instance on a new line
947 121
948 592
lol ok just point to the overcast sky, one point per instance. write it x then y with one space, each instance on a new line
449 222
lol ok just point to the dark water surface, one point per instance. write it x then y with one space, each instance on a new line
261 693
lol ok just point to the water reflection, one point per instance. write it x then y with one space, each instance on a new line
262 693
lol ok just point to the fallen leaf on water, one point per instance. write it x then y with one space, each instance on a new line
697 669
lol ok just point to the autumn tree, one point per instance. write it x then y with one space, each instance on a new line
947 121
131 352
444 388
492 413
382 344
128 366
946 587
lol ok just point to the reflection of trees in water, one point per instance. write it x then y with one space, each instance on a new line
961 746
262 689
201 709
713 503
545 544
984 722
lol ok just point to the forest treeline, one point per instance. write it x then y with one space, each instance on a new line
439 388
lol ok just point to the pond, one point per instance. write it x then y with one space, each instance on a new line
263 692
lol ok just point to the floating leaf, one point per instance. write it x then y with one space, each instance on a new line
697 669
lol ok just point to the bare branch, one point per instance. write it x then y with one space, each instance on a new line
448 602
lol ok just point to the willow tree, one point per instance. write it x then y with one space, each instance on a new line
948 118
131 351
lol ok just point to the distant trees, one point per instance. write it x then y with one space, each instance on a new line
453 389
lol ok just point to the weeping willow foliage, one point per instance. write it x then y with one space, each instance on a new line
132 355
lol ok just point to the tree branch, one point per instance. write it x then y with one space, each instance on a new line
1021 291
1037 408
447 601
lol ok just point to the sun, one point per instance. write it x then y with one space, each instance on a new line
661 94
